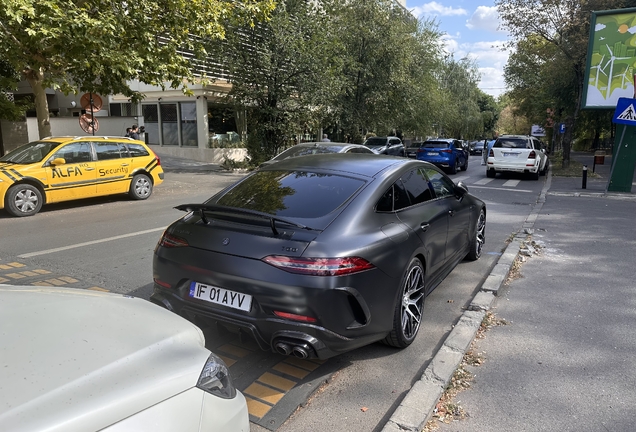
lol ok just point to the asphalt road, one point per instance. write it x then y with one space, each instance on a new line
107 244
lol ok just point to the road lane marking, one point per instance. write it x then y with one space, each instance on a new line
511 183
77 245
484 181
503 189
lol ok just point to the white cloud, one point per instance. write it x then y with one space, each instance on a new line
599 26
484 18
434 8
492 81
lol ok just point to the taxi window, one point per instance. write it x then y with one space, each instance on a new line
107 150
137 150
74 153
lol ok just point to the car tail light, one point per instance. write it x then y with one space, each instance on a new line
162 283
532 155
491 153
295 317
158 160
319 266
172 241
446 151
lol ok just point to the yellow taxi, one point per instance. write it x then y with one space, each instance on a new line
58 169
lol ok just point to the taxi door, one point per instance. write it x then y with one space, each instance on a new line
73 179
113 167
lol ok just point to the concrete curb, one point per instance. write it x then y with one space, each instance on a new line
419 404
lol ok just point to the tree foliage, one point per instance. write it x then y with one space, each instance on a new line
279 70
98 45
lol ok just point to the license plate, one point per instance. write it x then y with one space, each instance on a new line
433 153
511 154
221 296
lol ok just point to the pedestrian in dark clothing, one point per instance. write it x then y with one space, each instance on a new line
134 132
127 132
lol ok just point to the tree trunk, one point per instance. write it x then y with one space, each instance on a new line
35 79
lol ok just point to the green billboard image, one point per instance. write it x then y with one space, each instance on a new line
611 58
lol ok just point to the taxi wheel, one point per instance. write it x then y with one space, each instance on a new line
140 187
23 200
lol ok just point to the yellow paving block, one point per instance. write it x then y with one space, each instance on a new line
2 280
67 279
41 283
264 393
303 364
15 275
233 350
16 264
5 267
291 370
98 289
228 361
56 282
41 271
29 273
276 381
256 408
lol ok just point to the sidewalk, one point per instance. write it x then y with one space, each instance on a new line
565 360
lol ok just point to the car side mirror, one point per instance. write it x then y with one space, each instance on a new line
461 189
58 161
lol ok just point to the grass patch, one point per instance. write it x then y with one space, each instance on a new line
574 170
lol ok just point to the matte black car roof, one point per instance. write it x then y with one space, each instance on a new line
358 164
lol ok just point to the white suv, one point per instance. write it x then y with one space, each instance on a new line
517 153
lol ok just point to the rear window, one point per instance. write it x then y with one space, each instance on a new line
512 143
436 144
375 141
306 150
292 194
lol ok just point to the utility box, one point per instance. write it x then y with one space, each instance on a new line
623 160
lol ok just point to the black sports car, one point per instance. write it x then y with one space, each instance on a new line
317 255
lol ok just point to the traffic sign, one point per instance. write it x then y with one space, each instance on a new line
561 128
625 112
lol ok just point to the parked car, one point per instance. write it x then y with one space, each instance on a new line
310 148
390 145
517 153
58 169
80 360
411 150
446 153
317 255
478 148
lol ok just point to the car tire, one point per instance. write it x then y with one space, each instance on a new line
409 307
140 187
545 168
453 169
490 173
478 238
23 200
465 167
534 176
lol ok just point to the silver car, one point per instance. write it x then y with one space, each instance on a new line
80 360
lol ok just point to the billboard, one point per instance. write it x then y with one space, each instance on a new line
611 58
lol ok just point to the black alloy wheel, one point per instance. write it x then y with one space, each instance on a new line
409 307
478 239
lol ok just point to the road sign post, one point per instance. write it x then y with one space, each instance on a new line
624 152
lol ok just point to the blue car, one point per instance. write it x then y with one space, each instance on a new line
446 153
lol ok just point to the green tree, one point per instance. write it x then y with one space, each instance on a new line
279 69
98 45
550 39
386 58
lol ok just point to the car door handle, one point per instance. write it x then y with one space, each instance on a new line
424 226
89 169
124 164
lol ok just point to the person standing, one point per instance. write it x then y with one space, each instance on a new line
127 132
325 138
134 132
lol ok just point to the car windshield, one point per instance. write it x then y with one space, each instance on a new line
521 143
307 150
30 153
375 142
436 144
292 194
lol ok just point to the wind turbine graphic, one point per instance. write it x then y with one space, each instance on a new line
611 63
623 76
599 70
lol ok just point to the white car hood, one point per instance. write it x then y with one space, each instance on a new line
81 360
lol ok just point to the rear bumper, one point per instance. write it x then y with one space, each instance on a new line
512 167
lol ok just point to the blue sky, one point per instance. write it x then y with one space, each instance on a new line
471 28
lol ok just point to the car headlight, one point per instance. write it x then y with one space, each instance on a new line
215 378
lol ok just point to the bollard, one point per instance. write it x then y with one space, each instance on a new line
584 176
